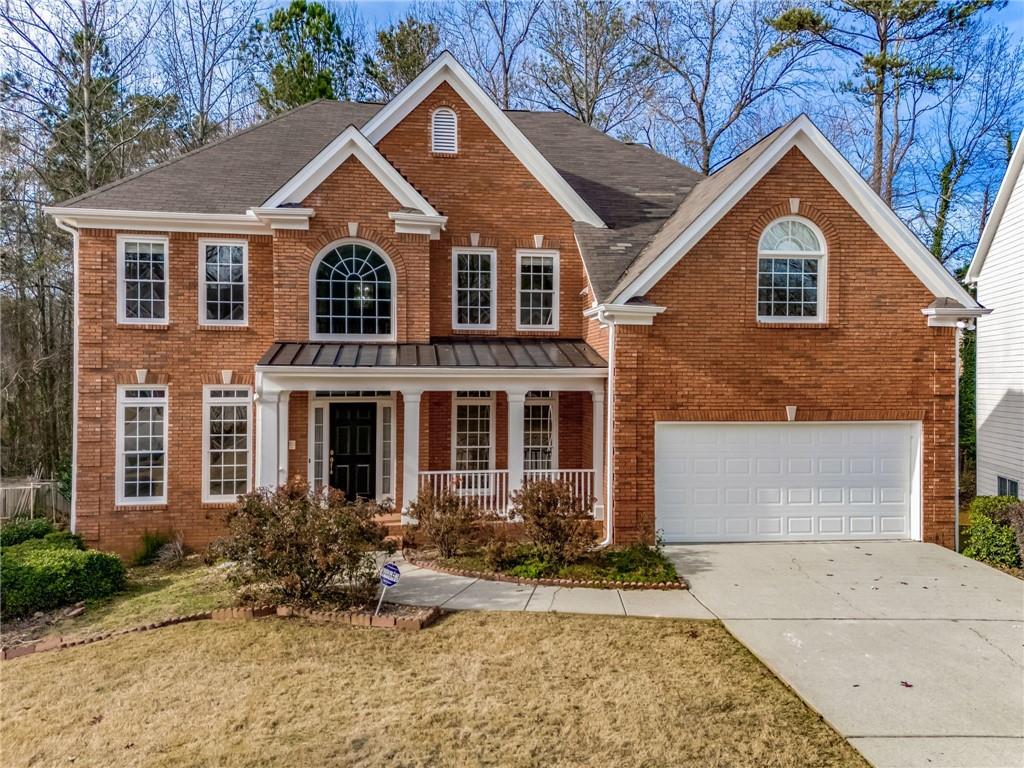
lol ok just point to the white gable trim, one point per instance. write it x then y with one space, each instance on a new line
447 69
803 135
350 143
988 234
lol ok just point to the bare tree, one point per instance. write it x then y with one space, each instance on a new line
587 63
491 39
718 59
200 62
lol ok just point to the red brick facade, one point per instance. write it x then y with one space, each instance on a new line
705 358
708 359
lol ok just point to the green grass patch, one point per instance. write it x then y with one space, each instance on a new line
638 563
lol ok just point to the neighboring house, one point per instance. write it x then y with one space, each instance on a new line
998 271
437 292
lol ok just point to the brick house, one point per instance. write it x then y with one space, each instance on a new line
434 291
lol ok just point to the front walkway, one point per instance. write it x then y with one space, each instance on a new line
910 651
420 586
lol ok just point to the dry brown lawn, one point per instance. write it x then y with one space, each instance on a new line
474 690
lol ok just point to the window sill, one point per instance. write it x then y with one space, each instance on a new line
815 326
158 506
144 326
217 328
444 155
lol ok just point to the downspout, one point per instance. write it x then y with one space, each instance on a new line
74 370
956 437
609 432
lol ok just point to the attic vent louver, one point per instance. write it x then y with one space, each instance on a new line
443 132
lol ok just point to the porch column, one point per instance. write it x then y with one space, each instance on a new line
516 403
268 442
410 447
282 436
597 401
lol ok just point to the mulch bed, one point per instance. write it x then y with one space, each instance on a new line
434 565
403 618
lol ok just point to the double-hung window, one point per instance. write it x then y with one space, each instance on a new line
223 278
473 438
141 445
142 279
539 430
537 290
226 442
791 265
1007 487
474 277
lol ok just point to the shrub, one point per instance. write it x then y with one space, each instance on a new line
306 547
16 531
39 575
149 547
555 521
445 520
172 554
996 530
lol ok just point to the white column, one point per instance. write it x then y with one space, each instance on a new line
267 444
410 447
597 401
282 436
516 402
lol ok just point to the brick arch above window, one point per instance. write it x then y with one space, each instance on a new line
353 292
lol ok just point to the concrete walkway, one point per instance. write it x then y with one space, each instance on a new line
420 586
910 651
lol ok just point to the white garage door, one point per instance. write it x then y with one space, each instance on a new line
785 482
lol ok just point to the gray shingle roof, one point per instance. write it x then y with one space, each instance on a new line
632 188
441 353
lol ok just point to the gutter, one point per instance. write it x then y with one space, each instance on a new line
62 225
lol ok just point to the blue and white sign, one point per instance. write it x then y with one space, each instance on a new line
390 575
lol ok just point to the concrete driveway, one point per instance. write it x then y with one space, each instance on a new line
912 652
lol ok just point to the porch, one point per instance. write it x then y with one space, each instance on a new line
349 416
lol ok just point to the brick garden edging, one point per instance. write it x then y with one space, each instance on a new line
433 565
414 623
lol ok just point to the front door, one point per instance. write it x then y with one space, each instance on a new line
352 456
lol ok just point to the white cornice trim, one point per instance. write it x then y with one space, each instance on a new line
446 68
160 221
951 316
418 224
349 143
803 135
624 314
1002 200
284 218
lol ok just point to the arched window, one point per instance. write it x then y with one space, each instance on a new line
443 131
352 289
791 272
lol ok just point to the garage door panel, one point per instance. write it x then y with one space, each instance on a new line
747 482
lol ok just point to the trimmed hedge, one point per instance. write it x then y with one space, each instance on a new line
996 531
17 531
41 574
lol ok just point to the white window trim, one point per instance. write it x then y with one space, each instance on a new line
119 497
1007 479
209 498
455 120
122 317
456 252
490 400
821 256
313 335
551 400
556 286
203 321
381 402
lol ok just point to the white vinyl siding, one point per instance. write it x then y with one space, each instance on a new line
1000 351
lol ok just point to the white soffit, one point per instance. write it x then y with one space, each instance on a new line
447 69
803 135
350 143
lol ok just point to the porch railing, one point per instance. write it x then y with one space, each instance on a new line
490 488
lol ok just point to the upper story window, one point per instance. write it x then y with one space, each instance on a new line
474 277
142 279
223 275
352 294
791 263
444 131
142 445
537 290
